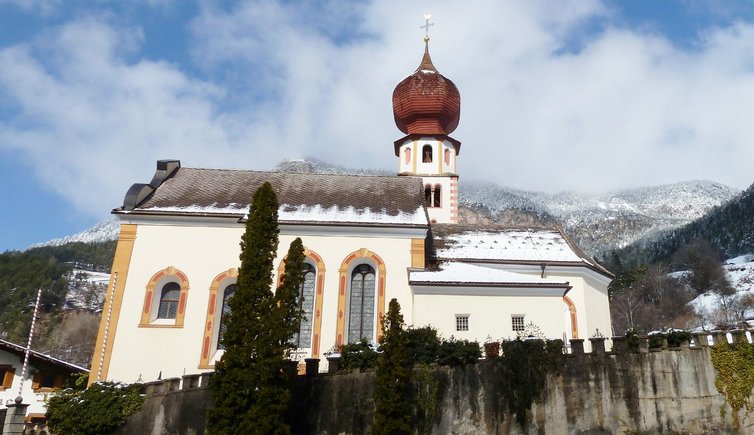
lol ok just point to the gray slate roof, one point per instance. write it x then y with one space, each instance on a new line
303 197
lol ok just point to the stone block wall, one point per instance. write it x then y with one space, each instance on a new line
645 391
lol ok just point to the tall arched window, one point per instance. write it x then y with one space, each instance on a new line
407 154
171 293
427 154
361 304
428 195
303 339
447 157
436 202
227 294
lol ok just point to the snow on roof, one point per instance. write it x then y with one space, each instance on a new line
330 198
464 273
531 244
20 350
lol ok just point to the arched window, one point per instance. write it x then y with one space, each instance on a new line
428 195
361 304
427 154
407 153
303 339
171 293
438 189
447 157
227 294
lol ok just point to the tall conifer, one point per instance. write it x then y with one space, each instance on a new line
392 389
249 389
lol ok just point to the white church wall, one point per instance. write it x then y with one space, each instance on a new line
489 316
203 252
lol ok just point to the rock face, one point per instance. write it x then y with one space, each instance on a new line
671 391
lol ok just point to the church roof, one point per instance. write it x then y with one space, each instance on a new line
455 273
303 198
509 245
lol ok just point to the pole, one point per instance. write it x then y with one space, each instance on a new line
28 346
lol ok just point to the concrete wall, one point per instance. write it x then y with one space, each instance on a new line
672 391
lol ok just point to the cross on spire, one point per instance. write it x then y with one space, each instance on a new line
426 26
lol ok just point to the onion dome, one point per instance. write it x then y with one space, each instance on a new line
426 102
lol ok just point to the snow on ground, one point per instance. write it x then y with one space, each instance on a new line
86 289
740 274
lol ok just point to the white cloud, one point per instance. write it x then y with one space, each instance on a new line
281 80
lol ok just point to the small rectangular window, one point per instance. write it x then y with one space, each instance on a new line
462 322
6 376
517 322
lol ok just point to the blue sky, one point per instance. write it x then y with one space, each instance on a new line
585 95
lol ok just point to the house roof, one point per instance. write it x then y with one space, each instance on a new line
544 245
34 355
303 198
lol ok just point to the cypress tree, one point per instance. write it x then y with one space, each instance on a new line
392 389
287 296
249 389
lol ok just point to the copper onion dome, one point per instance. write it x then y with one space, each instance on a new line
426 102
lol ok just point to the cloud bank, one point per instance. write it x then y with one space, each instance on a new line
555 96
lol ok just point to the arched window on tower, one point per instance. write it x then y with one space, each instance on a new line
427 154
437 202
361 304
428 195
303 339
447 157
171 293
407 154
227 294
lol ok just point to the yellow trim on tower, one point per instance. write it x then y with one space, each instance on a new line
413 144
121 262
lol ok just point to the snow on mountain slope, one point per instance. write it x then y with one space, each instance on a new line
101 232
598 223
740 274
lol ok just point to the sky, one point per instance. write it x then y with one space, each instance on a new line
585 96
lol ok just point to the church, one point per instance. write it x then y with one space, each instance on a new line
368 239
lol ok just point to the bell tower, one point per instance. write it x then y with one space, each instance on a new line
427 108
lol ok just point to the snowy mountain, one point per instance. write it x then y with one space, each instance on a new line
101 232
740 274
598 223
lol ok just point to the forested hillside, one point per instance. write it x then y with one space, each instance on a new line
22 273
729 227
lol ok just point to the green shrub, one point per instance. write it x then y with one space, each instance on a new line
676 337
423 344
458 352
632 340
359 355
656 340
99 409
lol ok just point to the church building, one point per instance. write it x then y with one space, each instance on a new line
368 239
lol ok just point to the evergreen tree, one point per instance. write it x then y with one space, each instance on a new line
392 389
288 295
250 390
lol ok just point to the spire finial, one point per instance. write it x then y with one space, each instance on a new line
426 27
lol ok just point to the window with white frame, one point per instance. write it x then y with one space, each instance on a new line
224 311
168 308
517 322
462 322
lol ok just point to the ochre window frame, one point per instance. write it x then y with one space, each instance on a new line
149 296
209 322
319 267
8 373
344 280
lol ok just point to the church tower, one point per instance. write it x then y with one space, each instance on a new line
427 107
